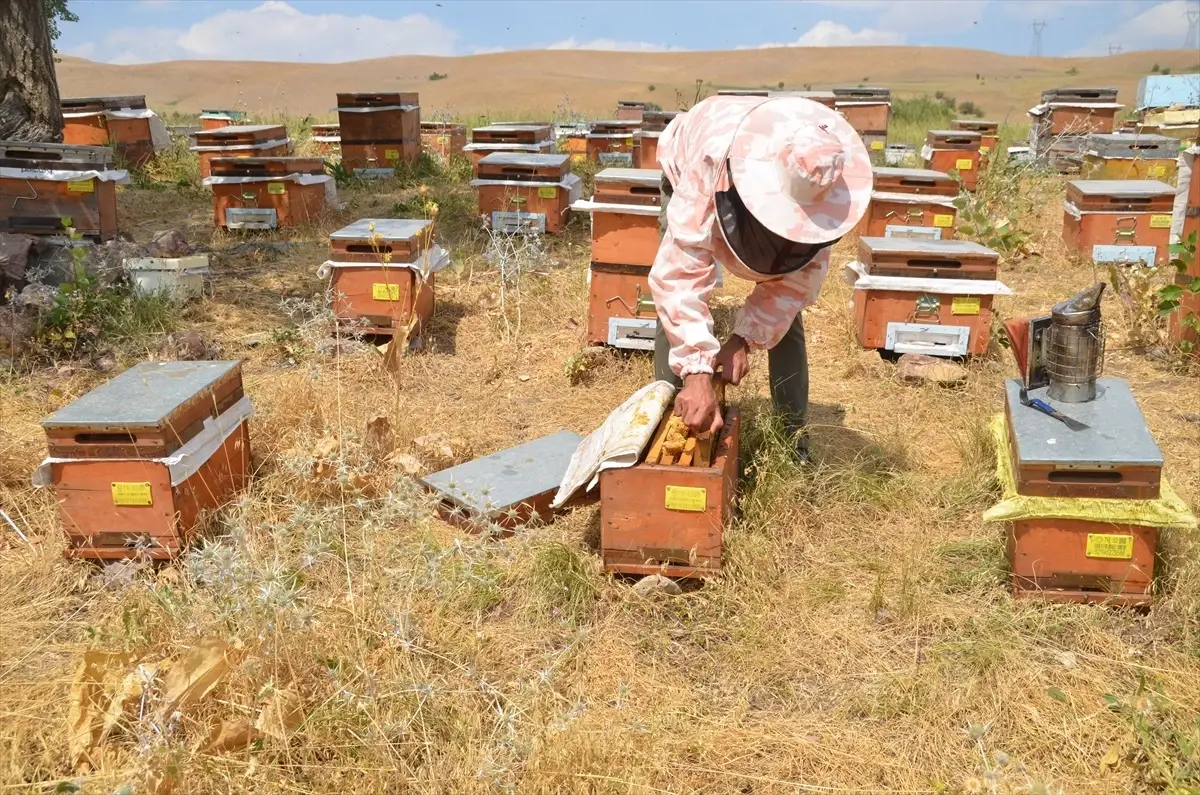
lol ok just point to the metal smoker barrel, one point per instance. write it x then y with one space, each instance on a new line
1075 354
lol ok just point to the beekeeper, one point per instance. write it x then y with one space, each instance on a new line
764 187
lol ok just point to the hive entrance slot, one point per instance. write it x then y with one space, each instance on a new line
934 263
24 154
1124 200
1085 476
362 248
112 437
917 183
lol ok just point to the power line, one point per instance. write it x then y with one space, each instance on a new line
1038 27
1114 49
1193 31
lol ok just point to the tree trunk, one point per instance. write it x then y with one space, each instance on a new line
29 104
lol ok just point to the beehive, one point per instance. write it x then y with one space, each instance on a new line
327 138
667 514
241 140
1139 156
268 192
1115 457
1189 225
515 138
443 139
40 184
630 110
381 274
1118 220
610 143
924 296
526 193
826 98
989 132
121 123
379 130
645 140
743 92
911 202
1076 111
216 119
954 152
867 109
137 462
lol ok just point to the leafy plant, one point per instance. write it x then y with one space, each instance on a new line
1165 752
970 109
1073 71
437 76
1174 297
342 176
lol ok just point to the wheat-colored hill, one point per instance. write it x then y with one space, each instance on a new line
536 82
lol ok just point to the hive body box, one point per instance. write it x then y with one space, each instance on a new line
1116 458
645 140
1118 220
34 205
925 321
954 151
670 520
868 111
911 202
90 121
989 132
117 496
1078 111
520 192
534 138
240 140
216 119
1123 156
379 130
630 110
378 278
1190 207
261 193
443 139
611 142
327 138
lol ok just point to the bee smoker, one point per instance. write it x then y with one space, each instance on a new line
1074 347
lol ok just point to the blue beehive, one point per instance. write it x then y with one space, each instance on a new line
1163 91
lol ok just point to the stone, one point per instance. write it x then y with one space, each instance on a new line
37 296
16 251
188 346
408 464
106 261
170 243
378 439
657 584
917 368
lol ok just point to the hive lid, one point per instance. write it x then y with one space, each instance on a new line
955 134
926 248
144 396
386 228
21 154
631 103
132 101
511 127
1121 187
1117 432
910 173
245 129
638 176
524 159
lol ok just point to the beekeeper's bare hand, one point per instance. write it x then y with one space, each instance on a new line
733 360
696 404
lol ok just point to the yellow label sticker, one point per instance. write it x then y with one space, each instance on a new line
241 157
1156 171
983 150
1160 222
687 498
964 305
964 164
385 292
629 142
516 200
276 188
548 192
1112 547
877 145
943 220
391 154
81 186
132 494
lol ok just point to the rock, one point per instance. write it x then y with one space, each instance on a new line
917 368
16 330
866 364
408 464
15 254
38 296
378 439
106 262
170 243
188 346
106 363
657 584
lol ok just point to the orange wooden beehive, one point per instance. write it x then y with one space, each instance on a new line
137 462
911 202
670 518
956 152
1114 457
121 123
37 191
989 132
267 192
216 119
925 296
1124 220
240 140
1189 302
526 193
867 109
1076 111
610 143
381 275
630 110
645 140
327 138
379 130
533 138
443 139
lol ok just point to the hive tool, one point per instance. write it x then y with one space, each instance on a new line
1049 410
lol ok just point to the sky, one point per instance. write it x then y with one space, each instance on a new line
143 31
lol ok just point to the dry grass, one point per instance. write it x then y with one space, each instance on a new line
862 641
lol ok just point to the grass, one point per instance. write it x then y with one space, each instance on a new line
861 640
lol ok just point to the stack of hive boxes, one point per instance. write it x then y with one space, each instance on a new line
1170 105
924 296
442 139
630 110
526 193
124 124
1118 221
268 192
1061 124
955 152
533 138
868 110
610 143
911 203
213 119
645 140
44 183
379 131
327 139
625 211
989 132
240 140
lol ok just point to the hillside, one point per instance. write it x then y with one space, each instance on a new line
535 83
